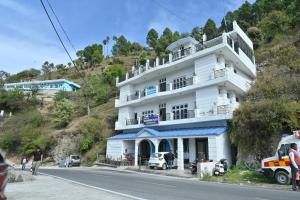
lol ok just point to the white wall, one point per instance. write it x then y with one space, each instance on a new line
114 149
223 148
204 67
212 148
206 97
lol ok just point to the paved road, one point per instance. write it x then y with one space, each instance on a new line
144 186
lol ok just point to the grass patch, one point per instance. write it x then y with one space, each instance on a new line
240 175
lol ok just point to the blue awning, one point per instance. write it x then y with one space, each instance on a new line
192 132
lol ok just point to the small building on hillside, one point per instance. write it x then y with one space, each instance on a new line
182 103
44 87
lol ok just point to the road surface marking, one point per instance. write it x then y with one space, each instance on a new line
160 184
97 188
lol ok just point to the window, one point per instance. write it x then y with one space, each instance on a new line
228 95
234 70
180 111
179 82
237 99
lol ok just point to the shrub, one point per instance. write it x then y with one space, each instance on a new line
274 23
63 111
8 141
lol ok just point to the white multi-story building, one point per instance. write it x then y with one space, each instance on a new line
182 102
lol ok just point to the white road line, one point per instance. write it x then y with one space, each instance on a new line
97 188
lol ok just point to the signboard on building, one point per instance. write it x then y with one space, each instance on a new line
151 90
151 119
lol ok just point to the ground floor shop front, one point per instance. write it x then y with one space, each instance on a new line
188 145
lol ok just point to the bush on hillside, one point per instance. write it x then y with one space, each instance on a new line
274 23
92 132
63 111
8 141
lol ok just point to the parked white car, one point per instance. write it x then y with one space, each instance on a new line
157 161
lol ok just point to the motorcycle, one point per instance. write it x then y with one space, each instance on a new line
193 167
221 168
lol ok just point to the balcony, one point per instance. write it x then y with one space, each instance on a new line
220 112
172 86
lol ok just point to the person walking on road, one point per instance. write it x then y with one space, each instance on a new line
23 163
37 160
169 157
295 164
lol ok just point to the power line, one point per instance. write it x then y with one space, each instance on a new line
66 50
57 19
172 12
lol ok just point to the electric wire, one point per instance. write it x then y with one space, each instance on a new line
61 26
66 50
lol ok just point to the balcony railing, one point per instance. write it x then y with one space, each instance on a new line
132 97
181 53
131 122
220 112
172 57
219 73
223 109
161 88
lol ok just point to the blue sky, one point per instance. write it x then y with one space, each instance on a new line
27 38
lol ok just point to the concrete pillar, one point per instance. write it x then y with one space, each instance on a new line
221 61
117 78
170 57
156 144
192 149
157 61
180 155
136 152
147 64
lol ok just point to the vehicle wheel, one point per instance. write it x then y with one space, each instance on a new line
164 166
282 178
151 167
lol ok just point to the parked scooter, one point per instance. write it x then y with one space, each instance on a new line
221 168
193 167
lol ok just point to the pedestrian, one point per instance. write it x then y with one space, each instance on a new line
23 163
37 160
169 157
295 164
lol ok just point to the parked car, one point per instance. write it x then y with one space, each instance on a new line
157 161
74 160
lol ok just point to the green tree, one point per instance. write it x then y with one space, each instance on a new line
3 75
152 38
23 75
274 23
255 35
245 16
197 33
227 25
90 55
121 46
210 29
63 111
47 69
111 72
61 69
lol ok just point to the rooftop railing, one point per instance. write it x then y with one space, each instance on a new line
138 69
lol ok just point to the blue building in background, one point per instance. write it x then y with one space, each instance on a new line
51 86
